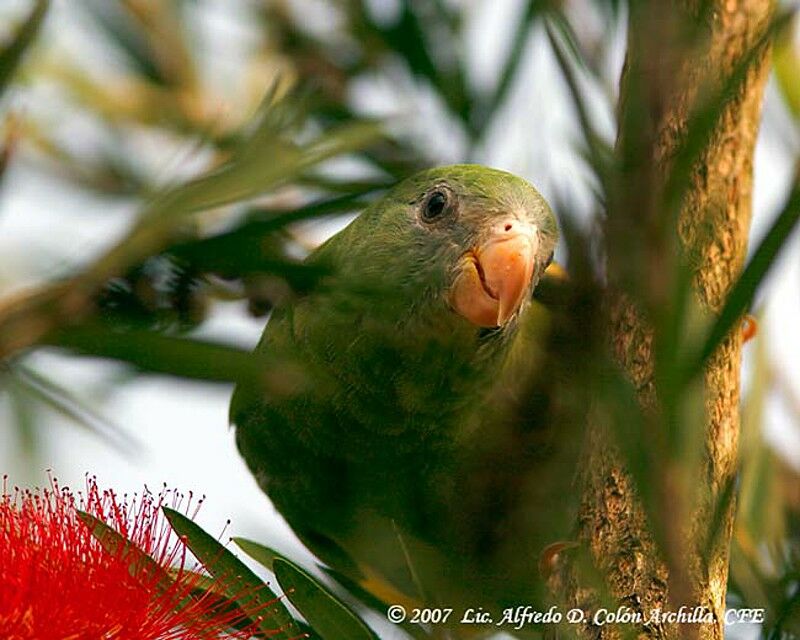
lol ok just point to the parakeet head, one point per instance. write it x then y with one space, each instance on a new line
465 240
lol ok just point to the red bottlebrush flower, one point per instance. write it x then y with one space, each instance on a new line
58 582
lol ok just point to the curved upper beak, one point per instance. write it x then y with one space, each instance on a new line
494 277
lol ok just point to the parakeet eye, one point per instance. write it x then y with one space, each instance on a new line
434 206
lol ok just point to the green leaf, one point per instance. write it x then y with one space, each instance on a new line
128 36
254 246
373 602
266 557
411 37
115 543
741 296
11 55
38 387
150 351
786 66
258 552
787 608
254 170
715 532
141 563
250 249
328 616
239 583
263 160
353 199
24 418
705 118
598 155
181 357
636 441
533 10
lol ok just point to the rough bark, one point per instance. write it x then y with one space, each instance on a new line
672 72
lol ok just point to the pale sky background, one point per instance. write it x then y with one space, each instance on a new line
182 427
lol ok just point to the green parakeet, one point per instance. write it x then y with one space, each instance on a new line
390 449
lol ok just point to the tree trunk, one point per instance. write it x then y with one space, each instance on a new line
670 69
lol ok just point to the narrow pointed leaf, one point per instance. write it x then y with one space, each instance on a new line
156 353
254 170
508 74
375 603
328 616
786 66
258 552
266 557
409 38
127 35
39 387
239 582
704 121
112 541
11 55
753 275
594 146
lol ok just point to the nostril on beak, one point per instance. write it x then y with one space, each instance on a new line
509 227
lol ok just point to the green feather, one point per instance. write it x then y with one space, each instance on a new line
387 388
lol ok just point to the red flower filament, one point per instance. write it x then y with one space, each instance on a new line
58 582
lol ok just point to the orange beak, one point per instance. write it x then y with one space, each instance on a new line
494 278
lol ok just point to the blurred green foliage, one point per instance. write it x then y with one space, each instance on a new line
290 145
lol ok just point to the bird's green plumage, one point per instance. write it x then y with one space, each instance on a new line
385 388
